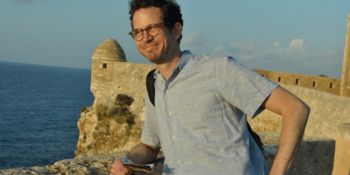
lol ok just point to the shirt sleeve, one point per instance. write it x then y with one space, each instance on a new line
242 87
150 131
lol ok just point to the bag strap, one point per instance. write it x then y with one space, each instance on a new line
150 80
256 137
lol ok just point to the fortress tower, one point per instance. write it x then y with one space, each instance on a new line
345 79
103 59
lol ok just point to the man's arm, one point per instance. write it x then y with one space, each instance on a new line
294 114
140 154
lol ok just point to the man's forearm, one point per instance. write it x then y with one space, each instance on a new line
143 154
293 126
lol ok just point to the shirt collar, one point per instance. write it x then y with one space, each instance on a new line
185 56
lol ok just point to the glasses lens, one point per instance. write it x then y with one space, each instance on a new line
153 30
136 34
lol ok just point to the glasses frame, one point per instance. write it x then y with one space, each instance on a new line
147 29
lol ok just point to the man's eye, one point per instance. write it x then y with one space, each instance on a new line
136 32
148 28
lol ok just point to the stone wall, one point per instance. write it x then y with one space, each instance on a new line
328 112
114 121
329 119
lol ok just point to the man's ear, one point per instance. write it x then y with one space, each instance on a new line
178 30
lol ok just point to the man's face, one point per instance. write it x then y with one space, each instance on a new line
161 47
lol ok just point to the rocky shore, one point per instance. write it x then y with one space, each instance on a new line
96 165
313 156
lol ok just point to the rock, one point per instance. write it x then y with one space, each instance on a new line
96 165
308 161
108 129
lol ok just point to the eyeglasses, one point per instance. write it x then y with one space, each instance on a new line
152 29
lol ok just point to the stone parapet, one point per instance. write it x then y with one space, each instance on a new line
320 83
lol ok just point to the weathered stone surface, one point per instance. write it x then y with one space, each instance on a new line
342 156
108 129
96 165
113 123
109 49
314 157
328 111
328 115
344 130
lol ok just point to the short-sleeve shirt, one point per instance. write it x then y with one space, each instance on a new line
199 118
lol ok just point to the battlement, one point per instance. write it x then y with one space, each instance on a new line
321 83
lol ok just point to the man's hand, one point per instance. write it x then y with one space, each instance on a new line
143 154
117 168
139 154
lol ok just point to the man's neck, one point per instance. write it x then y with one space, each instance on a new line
167 68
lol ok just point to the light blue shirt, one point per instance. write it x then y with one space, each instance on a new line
200 117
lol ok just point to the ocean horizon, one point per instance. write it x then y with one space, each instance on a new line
39 110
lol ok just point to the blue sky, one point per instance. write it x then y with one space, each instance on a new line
293 36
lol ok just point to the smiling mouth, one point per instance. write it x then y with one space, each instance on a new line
150 47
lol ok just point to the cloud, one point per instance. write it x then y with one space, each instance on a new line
248 50
296 43
276 44
292 56
286 56
194 40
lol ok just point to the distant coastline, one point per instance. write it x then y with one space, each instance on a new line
33 64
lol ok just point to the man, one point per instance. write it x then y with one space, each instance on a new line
201 103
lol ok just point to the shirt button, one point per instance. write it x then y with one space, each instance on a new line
173 137
169 113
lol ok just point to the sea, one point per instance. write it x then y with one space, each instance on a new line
39 110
